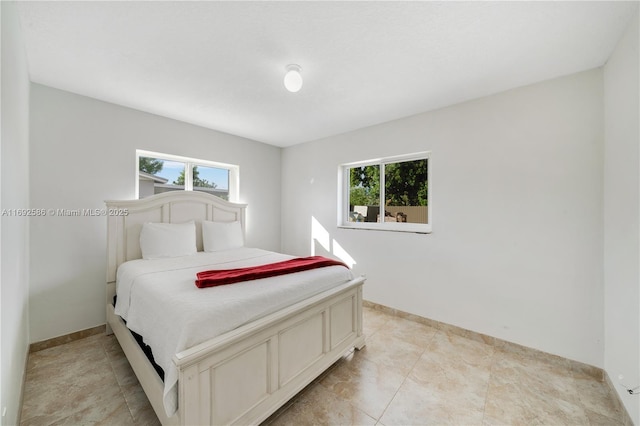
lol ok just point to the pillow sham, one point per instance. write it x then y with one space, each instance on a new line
162 240
218 236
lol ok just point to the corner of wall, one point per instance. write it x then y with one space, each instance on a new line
622 217
14 230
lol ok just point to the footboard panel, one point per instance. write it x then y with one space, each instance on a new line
243 379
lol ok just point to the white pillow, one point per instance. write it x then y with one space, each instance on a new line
221 235
159 240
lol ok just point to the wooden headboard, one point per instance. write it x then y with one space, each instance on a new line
125 219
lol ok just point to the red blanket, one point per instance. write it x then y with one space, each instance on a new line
229 276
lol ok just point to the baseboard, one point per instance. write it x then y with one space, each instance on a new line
590 370
587 369
619 404
67 338
24 382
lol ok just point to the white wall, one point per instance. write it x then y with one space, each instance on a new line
14 166
517 193
622 216
82 153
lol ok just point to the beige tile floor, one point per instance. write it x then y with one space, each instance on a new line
408 374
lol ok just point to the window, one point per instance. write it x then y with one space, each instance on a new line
399 184
159 173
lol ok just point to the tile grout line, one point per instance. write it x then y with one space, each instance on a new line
377 419
486 396
405 378
113 371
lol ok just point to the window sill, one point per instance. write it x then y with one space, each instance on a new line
406 228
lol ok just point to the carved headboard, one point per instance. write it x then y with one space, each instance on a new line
125 219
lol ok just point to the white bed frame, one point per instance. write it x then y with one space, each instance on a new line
242 376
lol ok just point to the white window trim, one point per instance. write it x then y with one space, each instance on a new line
343 196
234 171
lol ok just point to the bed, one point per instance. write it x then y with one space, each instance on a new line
246 373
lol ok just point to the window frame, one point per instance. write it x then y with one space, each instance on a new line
344 185
189 163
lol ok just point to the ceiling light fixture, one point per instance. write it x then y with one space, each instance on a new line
293 78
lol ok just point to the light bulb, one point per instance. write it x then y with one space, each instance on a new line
293 78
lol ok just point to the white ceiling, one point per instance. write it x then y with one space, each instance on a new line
220 64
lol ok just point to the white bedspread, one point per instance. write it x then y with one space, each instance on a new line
160 301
